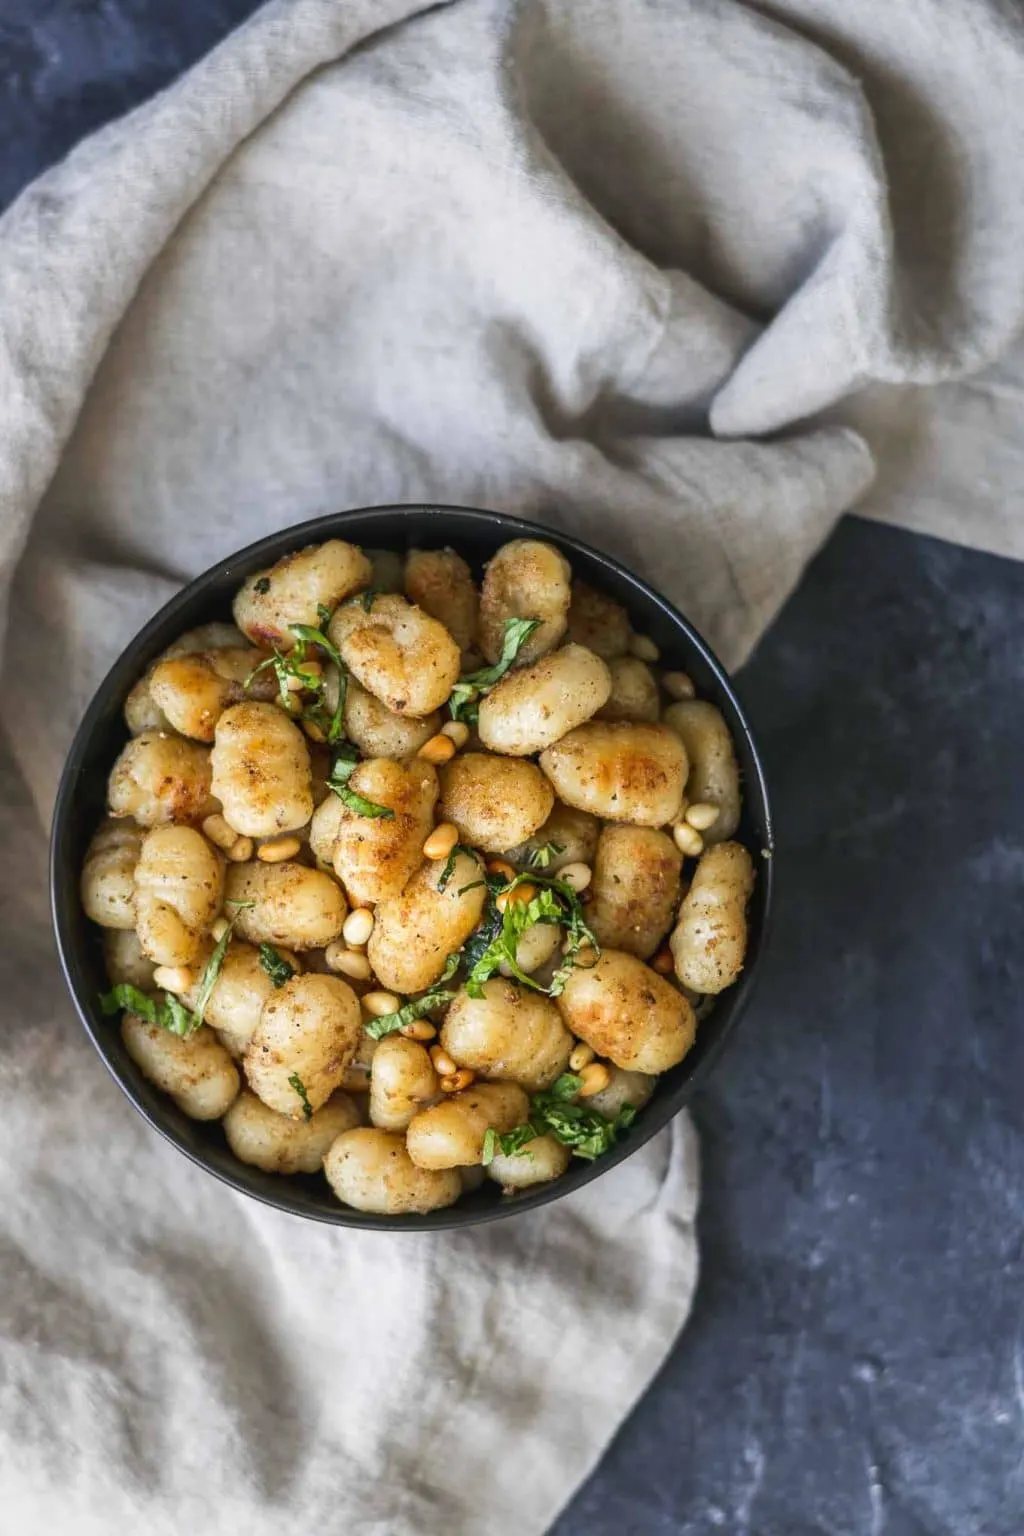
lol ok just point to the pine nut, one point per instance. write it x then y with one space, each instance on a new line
663 962
419 1029
678 686
581 1057
313 731
701 815
457 731
313 668
357 927
380 1003
350 962
441 841
294 684
502 868
593 1079
457 1081
241 853
644 648
687 839
576 876
443 1064
219 833
439 749
278 849
521 893
219 928
174 978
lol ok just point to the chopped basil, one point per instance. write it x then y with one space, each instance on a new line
438 997
275 965
342 769
293 667
555 1112
513 1143
323 614
212 968
449 866
554 903
466 693
295 1081
166 1010
541 857
262 585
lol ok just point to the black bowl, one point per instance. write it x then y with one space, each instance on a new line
102 733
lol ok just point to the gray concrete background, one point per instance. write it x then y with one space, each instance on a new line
854 1365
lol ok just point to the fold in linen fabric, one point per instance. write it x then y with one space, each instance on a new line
634 267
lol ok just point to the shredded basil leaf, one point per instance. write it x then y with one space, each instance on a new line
541 857
166 1011
275 965
342 769
449 867
466 694
323 614
262 586
295 1081
438 997
212 968
513 1143
586 1132
556 903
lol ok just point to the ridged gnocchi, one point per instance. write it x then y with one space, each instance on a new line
414 933
297 588
628 1013
534 707
496 802
509 1033
714 775
441 583
526 579
260 771
196 1071
451 1134
399 653
621 772
108 874
374 857
307 1034
371 1170
179 887
284 903
159 778
635 890
277 1143
710 938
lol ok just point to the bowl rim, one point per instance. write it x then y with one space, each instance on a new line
657 1114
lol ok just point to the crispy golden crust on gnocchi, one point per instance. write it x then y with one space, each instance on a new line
441 583
567 837
307 1033
532 708
195 1070
710 939
635 890
140 709
236 1002
371 1170
375 857
598 622
160 778
541 1160
634 692
628 1013
108 874
526 579
378 732
261 771
295 590
451 1134
402 1082
496 802
714 775
414 933
508 1034
258 1135
292 905
399 653
191 694
620 771
179 884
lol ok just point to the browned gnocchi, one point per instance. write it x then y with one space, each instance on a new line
385 862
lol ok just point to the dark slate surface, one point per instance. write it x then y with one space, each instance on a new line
855 1364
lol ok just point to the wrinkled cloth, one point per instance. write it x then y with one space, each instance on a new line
641 269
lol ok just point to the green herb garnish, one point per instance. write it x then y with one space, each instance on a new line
293 666
275 965
323 614
449 866
166 1010
513 1143
466 694
295 1081
438 997
554 903
555 1112
366 598
541 857
342 769
212 968
262 586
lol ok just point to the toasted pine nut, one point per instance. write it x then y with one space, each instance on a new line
443 1064
439 749
643 648
687 839
380 1003
663 962
581 1057
521 893
278 849
290 703
701 815
241 852
313 731
294 684
678 685
441 841
593 1079
313 668
576 876
219 833
502 868
419 1029
174 978
219 928
350 962
357 927
457 731
457 1081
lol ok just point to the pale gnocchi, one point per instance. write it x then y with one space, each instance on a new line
393 879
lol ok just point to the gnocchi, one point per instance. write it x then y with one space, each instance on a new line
384 862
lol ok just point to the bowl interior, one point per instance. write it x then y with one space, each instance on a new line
102 733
